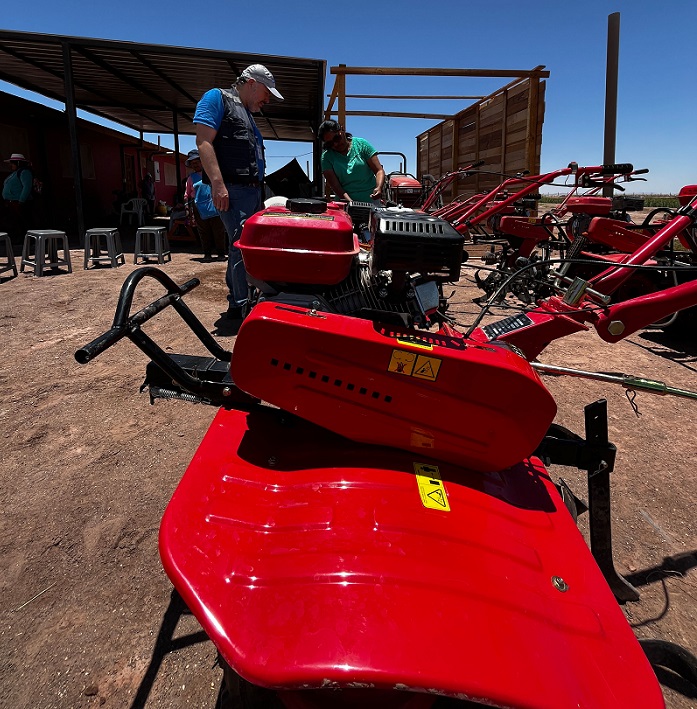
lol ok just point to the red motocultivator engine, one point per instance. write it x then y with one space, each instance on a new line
368 521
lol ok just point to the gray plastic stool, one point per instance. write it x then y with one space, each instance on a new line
152 242
46 242
9 264
103 238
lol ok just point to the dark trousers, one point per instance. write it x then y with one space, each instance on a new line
245 200
212 234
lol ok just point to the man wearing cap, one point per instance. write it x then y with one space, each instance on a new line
232 153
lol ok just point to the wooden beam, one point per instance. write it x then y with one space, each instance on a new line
416 98
389 114
419 71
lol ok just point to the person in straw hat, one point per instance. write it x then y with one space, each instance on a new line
17 193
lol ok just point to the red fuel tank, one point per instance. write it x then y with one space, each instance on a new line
278 245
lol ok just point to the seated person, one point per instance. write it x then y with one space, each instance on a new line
179 219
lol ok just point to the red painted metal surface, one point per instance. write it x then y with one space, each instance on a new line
278 245
530 229
613 234
464 402
639 312
312 562
589 205
687 194
400 181
550 321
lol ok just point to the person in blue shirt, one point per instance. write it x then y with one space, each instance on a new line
231 149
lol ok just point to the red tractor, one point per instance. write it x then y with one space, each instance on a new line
401 187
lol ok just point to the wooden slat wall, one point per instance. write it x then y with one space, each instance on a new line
503 130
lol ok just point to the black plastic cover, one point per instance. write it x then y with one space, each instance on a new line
414 242
306 205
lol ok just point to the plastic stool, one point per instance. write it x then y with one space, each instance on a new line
9 264
47 242
112 245
152 242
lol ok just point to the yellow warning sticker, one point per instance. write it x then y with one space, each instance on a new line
414 365
415 342
426 368
431 488
402 362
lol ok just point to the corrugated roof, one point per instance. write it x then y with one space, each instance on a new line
154 88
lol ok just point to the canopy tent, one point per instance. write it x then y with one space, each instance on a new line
154 88
290 181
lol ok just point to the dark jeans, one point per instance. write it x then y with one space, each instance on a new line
212 234
244 201
15 219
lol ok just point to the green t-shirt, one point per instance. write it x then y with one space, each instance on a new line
352 170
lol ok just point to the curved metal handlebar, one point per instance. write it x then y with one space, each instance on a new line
123 324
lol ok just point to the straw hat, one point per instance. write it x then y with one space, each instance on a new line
16 157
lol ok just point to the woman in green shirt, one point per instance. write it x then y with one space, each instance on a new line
350 165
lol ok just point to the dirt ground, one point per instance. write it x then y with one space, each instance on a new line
87 617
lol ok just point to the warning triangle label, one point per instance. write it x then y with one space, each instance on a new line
438 497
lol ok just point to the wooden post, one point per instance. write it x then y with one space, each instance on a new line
71 112
332 99
613 53
476 141
341 93
177 164
533 123
504 131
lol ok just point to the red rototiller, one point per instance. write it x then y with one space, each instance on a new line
368 521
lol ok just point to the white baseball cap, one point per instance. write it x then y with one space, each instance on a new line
260 73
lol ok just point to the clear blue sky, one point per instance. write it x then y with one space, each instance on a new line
657 98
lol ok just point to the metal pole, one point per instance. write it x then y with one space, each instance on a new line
74 142
316 148
177 165
613 52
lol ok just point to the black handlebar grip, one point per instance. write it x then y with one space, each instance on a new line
618 169
643 171
96 347
479 163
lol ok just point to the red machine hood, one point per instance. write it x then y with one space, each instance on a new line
470 403
312 561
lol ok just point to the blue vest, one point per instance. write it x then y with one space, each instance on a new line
235 143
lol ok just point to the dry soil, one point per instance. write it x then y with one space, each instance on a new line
87 617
